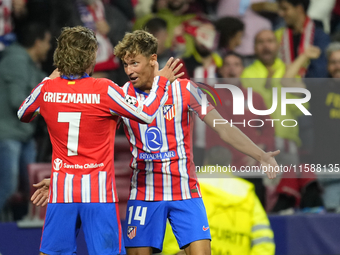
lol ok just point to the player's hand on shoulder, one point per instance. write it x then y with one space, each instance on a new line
54 74
170 70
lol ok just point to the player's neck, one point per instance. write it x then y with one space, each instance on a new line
148 86
89 70
147 89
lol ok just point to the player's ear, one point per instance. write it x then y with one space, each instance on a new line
153 58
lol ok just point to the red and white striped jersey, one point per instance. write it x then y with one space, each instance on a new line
81 117
162 162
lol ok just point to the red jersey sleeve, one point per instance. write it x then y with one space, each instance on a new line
120 103
195 100
31 106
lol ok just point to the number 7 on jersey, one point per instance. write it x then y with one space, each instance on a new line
73 118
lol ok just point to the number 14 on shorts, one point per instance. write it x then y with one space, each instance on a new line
140 214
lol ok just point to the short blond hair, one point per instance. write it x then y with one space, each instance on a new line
76 50
137 42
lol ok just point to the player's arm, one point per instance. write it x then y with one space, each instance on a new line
236 138
228 133
144 111
135 109
31 106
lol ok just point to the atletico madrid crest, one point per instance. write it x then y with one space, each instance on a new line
169 111
131 232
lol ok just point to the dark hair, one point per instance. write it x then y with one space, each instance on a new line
233 53
295 3
155 25
29 32
228 27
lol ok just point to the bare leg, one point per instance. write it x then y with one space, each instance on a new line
139 251
201 247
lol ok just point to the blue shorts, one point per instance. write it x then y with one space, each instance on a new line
100 222
146 222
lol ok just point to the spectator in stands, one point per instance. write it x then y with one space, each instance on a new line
92 15
206 7
173 11
204 61
6 21
325 109
253 22
144 8
231 32
106 20
233 209
232 66
9 10
263 135
125 6
333 56
158 28
19 74
202 65
335 18
299 33
180 23
269 69
320 12
38 11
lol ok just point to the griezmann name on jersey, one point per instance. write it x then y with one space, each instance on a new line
81 117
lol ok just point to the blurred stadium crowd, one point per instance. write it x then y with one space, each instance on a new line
251 43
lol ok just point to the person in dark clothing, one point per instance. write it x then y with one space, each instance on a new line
299 33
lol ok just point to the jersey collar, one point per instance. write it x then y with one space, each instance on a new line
141 92
74 77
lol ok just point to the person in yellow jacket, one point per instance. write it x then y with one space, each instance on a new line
262 76
237 221
265 74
